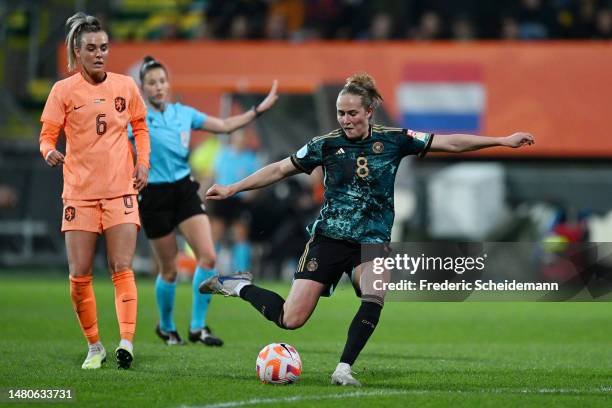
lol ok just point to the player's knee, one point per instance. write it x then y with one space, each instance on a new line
168 274
292 321
370 300
119 264
167 265
370 310
207 260
80 269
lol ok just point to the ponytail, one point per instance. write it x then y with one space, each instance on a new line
75 26
149 63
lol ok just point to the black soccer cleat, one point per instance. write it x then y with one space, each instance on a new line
205 337
170 338
124 358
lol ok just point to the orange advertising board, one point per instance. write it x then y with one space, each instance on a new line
560 92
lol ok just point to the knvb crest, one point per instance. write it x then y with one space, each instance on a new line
120 104
69 213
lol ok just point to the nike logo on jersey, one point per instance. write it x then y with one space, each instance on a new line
340 151
128 212
127 300
79 107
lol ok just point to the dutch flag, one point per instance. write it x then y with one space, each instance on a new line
442 98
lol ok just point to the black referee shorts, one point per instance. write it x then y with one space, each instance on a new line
325 260
164 206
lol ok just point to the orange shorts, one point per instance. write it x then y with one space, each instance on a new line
99 215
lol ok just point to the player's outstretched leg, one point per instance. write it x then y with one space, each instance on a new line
241 285
290 314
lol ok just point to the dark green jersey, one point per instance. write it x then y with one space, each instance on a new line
359 180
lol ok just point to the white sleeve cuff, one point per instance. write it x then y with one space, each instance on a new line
48 153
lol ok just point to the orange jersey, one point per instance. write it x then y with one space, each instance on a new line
99 160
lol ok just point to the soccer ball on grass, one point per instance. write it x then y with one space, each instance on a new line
278 363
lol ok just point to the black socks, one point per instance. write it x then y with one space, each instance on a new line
266 302
360 330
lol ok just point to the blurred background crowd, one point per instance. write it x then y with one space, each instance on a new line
31 30
303 20
363 20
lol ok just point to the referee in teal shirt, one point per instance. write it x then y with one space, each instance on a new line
171 199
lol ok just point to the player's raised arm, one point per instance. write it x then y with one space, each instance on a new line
457 143
263 177
228 125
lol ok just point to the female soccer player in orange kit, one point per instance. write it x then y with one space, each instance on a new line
101 181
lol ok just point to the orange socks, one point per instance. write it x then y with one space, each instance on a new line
126 300
84 302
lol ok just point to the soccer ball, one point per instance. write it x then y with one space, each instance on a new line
278 363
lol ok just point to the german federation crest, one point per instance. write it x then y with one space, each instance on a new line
378 147
312 265
120 104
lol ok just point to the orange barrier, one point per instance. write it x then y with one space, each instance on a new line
558 91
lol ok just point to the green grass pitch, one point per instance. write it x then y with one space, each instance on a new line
422 354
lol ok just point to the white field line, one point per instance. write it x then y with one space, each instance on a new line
385 393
